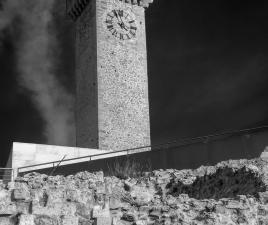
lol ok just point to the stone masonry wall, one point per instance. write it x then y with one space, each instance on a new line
112 107
123 102
232 192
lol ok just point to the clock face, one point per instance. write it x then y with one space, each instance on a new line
121 24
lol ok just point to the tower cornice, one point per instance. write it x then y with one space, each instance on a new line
76 7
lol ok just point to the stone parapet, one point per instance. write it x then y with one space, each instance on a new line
76 7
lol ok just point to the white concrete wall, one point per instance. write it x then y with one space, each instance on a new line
30 155
25 154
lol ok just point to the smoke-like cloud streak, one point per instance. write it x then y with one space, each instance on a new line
36 65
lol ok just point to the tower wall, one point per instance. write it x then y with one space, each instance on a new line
112 83
86 79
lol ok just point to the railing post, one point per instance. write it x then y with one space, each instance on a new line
206 141
14 174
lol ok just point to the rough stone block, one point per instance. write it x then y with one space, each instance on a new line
141 222
263 210
141 195
264 154
117 221
2 185
37 195
26 220
263 221
56 195
45 220
23 207
72 195
85 196
11 185
99 176
5 196
264 197
83 221
69 220
6 221
129 216
101 188
84 210
7 208
56 209
115 203
21 193
103 221
99 212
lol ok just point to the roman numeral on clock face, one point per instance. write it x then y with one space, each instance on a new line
110 27
120 13
114 33
110 16
133 33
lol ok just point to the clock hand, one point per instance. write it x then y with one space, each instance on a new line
123 26
128 27
116 15
119 18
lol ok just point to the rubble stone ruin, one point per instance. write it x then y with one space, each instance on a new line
232 192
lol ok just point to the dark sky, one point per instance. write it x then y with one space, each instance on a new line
207 66
207 63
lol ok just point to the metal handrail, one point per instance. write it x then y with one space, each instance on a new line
83 157
176 143
54 169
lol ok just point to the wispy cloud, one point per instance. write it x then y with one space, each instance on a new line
36 64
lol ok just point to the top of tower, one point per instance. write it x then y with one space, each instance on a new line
76 7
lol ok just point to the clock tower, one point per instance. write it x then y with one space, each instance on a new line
112 107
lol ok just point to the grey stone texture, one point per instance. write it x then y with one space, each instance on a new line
112 83
231 192
264 155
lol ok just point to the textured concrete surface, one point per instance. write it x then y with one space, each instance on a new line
231 192
112 83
